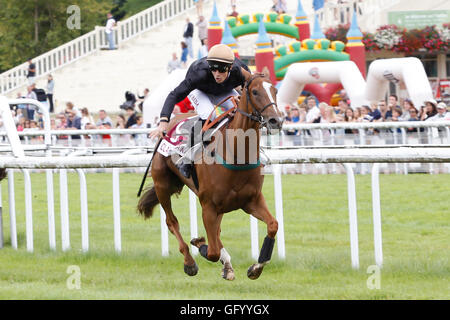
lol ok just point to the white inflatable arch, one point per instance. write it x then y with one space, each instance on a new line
344 72
152 106
410 71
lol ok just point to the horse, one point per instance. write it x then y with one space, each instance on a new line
223 187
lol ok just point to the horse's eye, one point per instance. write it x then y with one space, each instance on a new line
255 92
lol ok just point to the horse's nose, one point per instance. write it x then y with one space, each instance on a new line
275 123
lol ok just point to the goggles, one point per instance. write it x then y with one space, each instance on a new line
219 66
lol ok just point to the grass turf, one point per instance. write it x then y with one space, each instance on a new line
415 222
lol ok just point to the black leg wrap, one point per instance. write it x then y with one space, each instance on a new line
266 250
204 250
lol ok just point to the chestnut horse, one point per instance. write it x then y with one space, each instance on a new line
223 187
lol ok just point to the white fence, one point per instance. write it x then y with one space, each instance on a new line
341 155
81 159
94 41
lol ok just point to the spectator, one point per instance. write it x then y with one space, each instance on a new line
50 88
21 107
203 51
110 24
442 113
429 110
199 7
357 114
365 114
413 116
202 26
375 112
73 123
342 107
86 118
61 124
407 106
293 116
104 122
132 115
393 101
141 99
174 63
350 117
69 108
313 113
233 12
386 114
21 124
187 35
140 138
396 115
184 54
120 123
31 75
30 108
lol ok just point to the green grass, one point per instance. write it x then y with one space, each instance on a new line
416 238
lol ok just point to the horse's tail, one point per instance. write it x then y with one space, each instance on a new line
2 173
147 202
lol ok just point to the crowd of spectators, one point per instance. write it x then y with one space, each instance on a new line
391 110
27 118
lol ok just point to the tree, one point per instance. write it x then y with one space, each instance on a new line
29 28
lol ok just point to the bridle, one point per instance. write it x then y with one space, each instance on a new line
256 114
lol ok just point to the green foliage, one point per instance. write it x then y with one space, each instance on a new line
29 28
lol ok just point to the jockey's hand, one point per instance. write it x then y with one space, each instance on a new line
160 131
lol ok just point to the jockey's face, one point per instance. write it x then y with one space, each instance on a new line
219 70
220 76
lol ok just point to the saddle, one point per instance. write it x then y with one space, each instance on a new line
181 138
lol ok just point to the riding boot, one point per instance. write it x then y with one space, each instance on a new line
185 169
184 166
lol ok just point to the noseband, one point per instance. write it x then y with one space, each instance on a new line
256 114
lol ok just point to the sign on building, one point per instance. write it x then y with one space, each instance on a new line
418 19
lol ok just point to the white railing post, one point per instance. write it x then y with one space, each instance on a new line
353 220
193 219
279 210
12 209
164 233
376 208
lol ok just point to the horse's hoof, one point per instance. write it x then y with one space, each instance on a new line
228 273
191 270
255 271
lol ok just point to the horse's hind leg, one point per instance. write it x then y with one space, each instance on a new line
258 209
165 185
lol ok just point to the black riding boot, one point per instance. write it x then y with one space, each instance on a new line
185 169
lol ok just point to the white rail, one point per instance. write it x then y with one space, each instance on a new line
93 41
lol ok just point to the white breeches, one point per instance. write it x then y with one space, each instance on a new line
204 103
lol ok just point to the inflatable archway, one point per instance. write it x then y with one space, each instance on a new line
410 71
242 25
344 72
308 50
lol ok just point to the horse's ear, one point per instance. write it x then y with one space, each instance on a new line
246 74
265 71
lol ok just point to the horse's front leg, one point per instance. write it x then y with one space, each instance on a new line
211 222
258 209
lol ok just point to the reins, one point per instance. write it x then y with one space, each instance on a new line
256 114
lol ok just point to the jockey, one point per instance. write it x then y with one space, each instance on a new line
208 81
